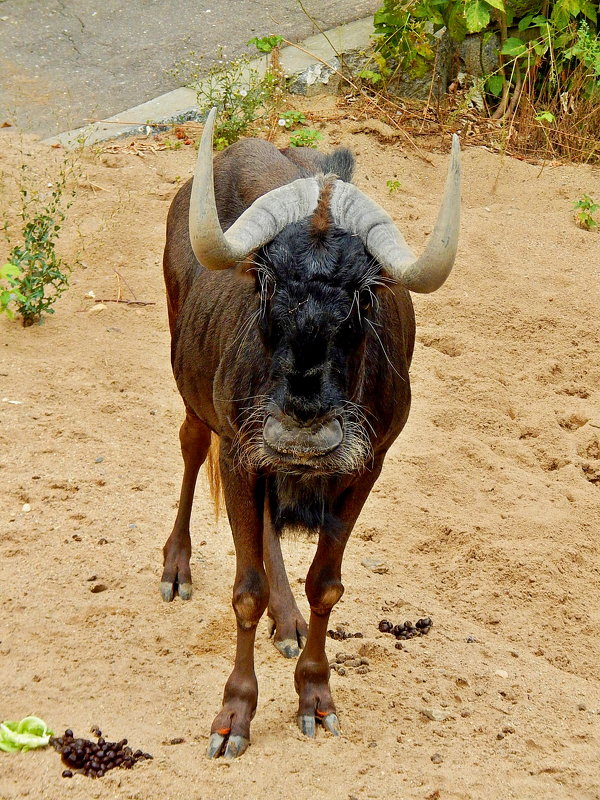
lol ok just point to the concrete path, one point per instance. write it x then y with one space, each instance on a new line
66 62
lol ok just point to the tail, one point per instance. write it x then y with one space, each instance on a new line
214 473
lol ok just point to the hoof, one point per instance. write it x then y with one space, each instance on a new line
229 747
307 724
168 590
288 648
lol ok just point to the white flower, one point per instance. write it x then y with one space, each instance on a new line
281 123
243 92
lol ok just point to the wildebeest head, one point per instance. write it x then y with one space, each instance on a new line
316 285
321 251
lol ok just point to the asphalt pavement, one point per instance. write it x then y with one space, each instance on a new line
64 63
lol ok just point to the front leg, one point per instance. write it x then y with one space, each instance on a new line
323 589
230 731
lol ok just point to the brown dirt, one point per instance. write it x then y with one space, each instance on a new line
486 514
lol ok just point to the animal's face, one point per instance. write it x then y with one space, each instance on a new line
317 301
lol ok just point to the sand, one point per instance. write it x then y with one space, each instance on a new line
485 517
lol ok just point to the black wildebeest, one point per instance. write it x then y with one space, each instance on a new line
292 335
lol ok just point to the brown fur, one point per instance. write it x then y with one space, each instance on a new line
321 220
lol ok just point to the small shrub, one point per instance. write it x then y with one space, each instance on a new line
239 91
585 209
38 275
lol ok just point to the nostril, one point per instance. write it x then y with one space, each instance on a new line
302 417
284 436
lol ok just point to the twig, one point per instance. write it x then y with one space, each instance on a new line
321 31
121 278
129 302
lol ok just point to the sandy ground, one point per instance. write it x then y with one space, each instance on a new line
486 515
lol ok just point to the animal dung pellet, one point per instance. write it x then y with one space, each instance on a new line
341 635
94 759
406 630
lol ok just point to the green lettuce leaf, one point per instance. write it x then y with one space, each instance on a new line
29 733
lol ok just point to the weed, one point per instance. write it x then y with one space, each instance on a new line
305 138
393 186
265 44
290 118
586 208
242 92
37 275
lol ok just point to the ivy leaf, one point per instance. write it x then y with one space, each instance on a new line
513 47
499 4
545 116
589 9
477 15
457 25
525 22
494 85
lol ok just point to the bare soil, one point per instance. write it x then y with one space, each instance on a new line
486 515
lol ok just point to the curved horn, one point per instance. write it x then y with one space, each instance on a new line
259 224
355 212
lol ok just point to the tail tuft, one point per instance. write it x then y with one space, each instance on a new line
214 473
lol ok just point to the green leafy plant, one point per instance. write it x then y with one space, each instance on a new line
28 734
288 119
393 186
38 275
549 54
240 93
265 44
305 138
243 91
585 209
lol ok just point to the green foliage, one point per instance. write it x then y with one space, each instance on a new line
240 94
8 291
265 44
556 42
494 85
393 186
288 119
545 116
586 208
370 76
305 138
38 276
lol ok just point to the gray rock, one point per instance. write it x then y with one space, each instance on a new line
479 54
436 714
375 565
316 79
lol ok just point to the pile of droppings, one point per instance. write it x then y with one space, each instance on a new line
345 661
406 630
94 759
341 635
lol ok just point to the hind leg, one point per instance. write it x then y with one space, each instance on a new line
286 624
194 436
